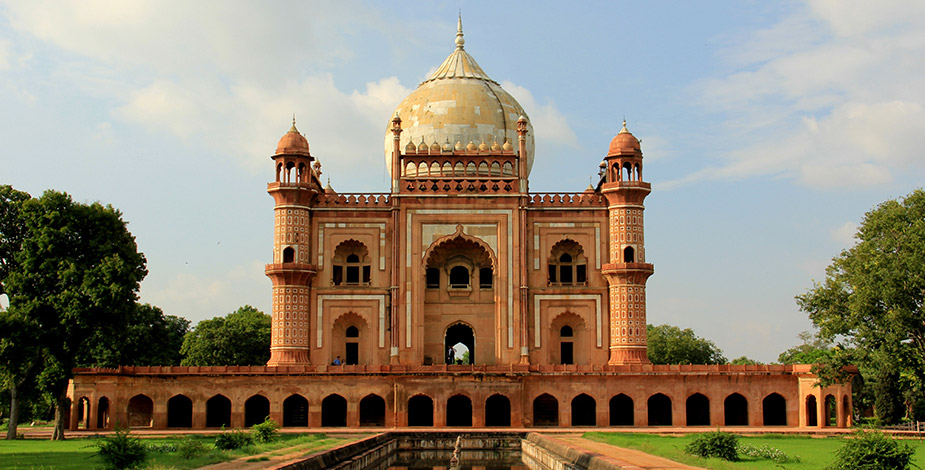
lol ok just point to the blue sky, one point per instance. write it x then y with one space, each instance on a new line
768 128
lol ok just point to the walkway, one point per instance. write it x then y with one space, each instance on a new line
627 459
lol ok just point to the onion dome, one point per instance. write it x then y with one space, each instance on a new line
422 148
507 146
410 147
471 146
446 146
495 147
435 147
483 147
328 189
624 143
292 143
459 102
459 145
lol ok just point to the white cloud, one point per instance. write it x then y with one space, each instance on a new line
6 54
830 96
845 234
549 124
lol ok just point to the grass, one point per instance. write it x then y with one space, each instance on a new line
79 454
814 453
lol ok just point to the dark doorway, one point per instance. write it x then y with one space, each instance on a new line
698 410
334 411
180 412
372 411
659 410
256 410
584 411
420 411
459 411
102 413
460 333
621 411
811 411
735 409
545 410
566 353
352 352
218 412
295 411
140 410
83 413
846 411
774 410
497 411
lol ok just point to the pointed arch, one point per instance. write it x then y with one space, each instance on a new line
459 237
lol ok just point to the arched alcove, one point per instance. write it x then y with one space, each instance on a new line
334 411
295 411
735 410
140 411
459 411
179 412
584 411
218 412
659 410
372 411
621 411
420 411
774 410
497 411
256 410
698 410
545 410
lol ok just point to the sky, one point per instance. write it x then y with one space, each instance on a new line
768 128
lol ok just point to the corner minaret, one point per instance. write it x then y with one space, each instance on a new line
627 271
295 187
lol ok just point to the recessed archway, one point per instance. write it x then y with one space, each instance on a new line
735 410
831 411
295 411
497 411
256 410
545 410
140 411
334 411
372 411
420 411
621 411
460 333
698 410
659 408
218 412
774 410
459 411
102 413
179 412
584 411
811 411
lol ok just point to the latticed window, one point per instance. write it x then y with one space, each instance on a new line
351 264
567 265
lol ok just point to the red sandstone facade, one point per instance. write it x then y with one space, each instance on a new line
544 292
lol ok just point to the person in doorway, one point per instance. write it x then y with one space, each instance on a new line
337 361
450 355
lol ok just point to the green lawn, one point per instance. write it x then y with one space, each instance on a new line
79 454
814 453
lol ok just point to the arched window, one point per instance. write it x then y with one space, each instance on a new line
288 254
459 277
351 264
567 265
629 256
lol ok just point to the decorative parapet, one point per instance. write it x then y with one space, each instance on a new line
352 200
586 199
551 369
459 186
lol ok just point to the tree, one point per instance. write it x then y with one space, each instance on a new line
240 339
149 338
873 296
814 350
671 345
12 230
77 274
744 360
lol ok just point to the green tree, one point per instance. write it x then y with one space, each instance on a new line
671 345
744 360
873 296
149 338
77 274
12 230
814 350
242 338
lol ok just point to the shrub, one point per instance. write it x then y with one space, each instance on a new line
164 448
767 452
714 444
190 448
233 440
871 450
121 451
266 431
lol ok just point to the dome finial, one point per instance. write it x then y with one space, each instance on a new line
624 130
293 129
459 34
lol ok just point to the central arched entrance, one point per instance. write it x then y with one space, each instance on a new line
461 339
